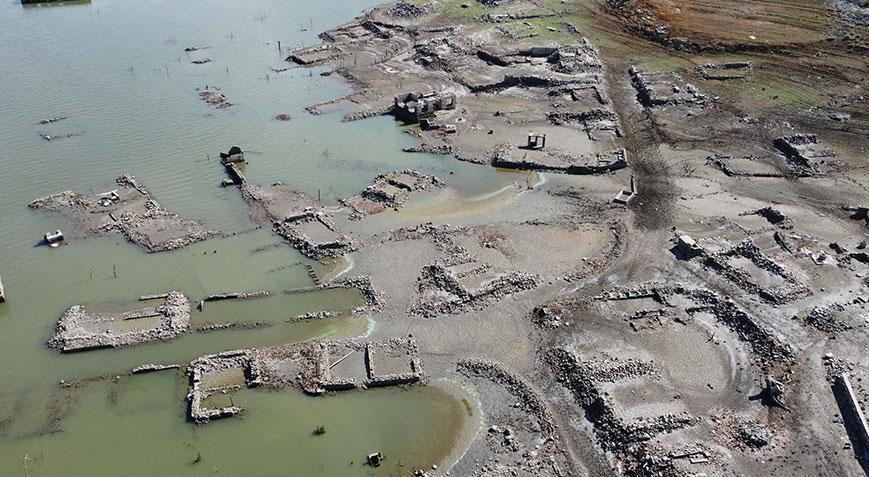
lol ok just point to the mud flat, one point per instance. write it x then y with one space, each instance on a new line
127 209
81 330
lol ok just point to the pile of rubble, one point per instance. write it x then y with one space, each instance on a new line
577 58
406 10
831 319
740 432
214 97
775 217
79 330
804 153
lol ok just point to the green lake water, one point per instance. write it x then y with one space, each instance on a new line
117 69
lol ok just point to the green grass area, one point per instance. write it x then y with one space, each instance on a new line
778 90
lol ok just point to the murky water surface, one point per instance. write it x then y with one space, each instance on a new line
118 71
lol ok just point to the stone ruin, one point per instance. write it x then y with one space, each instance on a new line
317 368
775 217
553 160
627 439
663 88
766 349
573 59
745 166
81 330
413 107
749 268
311 233
349 365
391 190
129 210
804 153
725 71
450 289
218 375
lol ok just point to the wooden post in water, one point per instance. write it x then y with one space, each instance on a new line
279 47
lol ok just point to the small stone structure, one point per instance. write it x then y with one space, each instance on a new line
857 420
52 238
79 330
412 107
313 235
725 71
205 381
536 141
687 247
235 154
662 88
626 195
804 152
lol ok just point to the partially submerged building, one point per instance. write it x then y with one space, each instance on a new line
316 368
81 329
413 107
